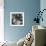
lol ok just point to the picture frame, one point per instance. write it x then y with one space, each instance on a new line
16 18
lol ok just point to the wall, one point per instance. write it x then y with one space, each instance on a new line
43 6
29 7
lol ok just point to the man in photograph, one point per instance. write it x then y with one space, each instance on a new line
17 19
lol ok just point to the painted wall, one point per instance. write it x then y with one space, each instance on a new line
29 7
43 6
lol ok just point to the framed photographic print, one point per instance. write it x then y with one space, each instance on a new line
17 18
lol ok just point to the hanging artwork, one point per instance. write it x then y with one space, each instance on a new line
17 18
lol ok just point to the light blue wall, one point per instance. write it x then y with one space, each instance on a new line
43 6
29 7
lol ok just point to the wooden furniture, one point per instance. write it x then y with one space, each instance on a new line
39 35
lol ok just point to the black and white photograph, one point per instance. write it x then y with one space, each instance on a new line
17 18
